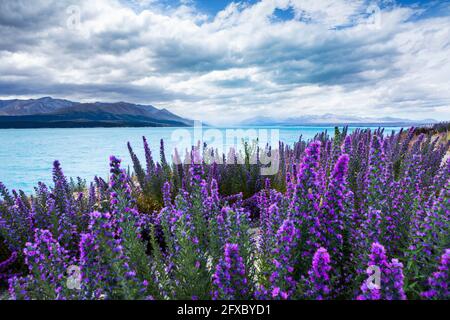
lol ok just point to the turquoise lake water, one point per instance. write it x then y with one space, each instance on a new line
26 155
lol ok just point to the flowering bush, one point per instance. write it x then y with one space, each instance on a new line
391 277
194 230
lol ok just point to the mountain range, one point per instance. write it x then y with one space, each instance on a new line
331 119
59 113
48 112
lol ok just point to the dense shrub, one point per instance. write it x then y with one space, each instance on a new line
336 207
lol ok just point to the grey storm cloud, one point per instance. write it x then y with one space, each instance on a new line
243 59
93 91
31 15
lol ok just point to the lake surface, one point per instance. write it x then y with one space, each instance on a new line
27 155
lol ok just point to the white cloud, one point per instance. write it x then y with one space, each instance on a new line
329 58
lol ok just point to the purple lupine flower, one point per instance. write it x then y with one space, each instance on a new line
122 203
47 263
230 279
196 168
305 205
282 279
167 197
429 226
139 171
65 210
91 275
119 186
18 287
271 220
104 265
347 147
148 158
60 181
439 281
334 209
308 176
17 225
169 218
230 225
379 216
391 277
264 202
376 174
319 281
290 185
211 198
397 281
399 199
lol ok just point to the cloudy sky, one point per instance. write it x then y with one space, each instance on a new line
223 61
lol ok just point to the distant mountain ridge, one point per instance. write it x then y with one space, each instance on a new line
43 105
48 112
330 119
53 113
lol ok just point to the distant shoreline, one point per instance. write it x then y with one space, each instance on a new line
104 124
52 121
318 125
13 126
